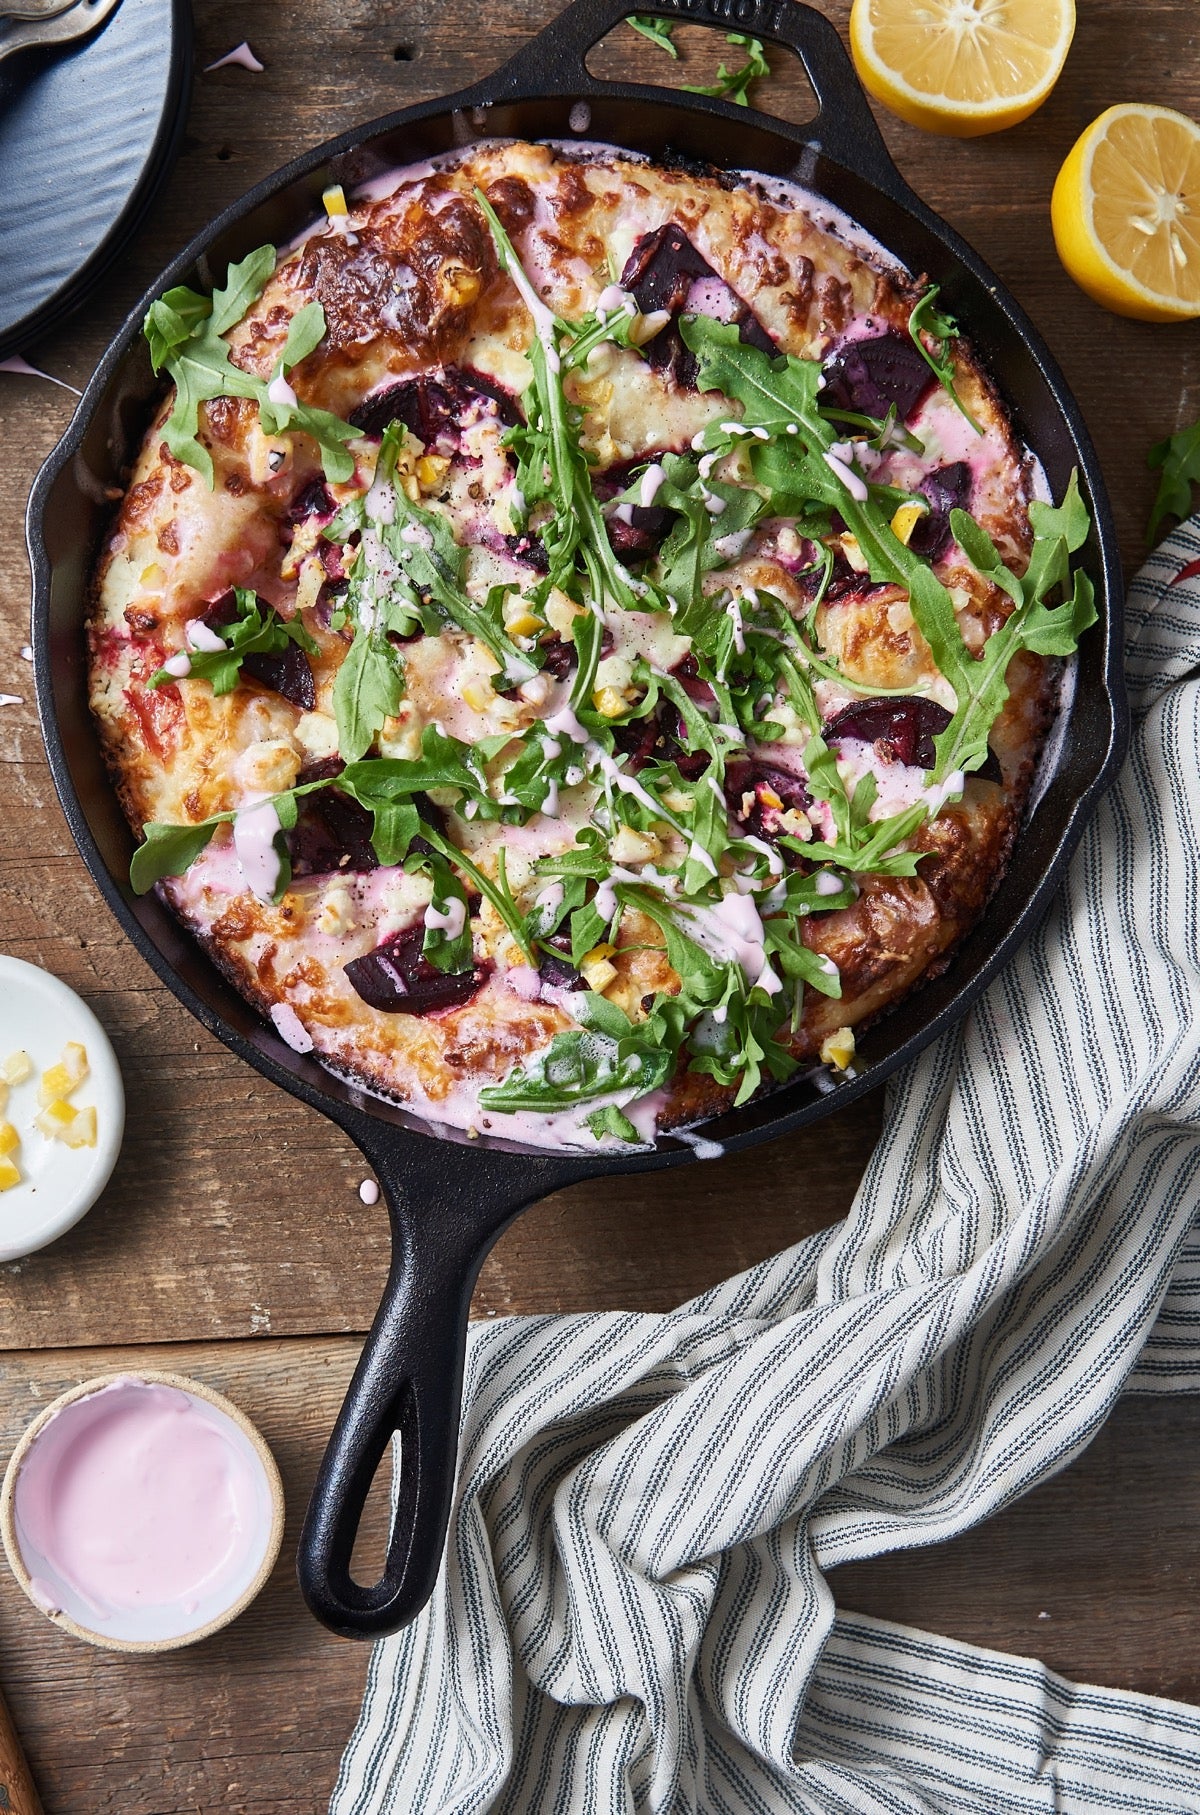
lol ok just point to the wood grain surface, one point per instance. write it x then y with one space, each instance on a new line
232 1228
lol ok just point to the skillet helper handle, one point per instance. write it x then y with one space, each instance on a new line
447 1203
17 1794
555 62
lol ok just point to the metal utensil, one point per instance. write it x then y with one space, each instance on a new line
17 1793
35 9
32 33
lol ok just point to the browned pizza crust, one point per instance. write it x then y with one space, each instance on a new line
409 284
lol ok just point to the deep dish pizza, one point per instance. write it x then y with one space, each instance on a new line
577 637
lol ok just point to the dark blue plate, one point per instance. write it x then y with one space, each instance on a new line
87 134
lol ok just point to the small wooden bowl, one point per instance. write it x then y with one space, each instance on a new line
195 1390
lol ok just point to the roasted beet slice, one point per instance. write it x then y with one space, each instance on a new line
844 581
947 488
905 728
287 674
396 979
687 672
555 968
434 404
869 376
641 533
530 549
659 737
558 657
332 833
775 791
665 271
312 500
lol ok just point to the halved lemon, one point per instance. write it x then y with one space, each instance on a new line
1126 212
962 67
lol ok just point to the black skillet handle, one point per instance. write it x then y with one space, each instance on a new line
448 1202
844 128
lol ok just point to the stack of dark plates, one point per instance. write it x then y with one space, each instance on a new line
88 130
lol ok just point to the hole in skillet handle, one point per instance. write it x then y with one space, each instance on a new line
447 1206
700 55
844 128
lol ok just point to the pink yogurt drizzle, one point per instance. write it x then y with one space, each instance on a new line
137 1497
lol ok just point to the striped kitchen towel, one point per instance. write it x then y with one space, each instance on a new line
633 1612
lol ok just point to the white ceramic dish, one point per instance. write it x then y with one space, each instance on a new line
59 1184
151 1626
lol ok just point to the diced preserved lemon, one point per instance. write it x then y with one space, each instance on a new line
54 1118
334 199
598 975
82 1130
905 521
479 695
629 846
10 1140
608 702
16 1068
9 1175
837 1049
595 968
519 620
55 1083
561 613
432 469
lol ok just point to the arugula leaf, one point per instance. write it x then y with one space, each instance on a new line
170 850
611 1120
367 689
657 30
553 468
608 1057
445 949
444 762
734 84
942 329
1059 532
422 541
257 630
185 333
495 888
1177 461
244 284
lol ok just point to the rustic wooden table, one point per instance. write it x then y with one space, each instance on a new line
231 1243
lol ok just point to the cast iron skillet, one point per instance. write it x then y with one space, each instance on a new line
450 1198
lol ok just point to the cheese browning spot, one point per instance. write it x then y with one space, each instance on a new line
593 660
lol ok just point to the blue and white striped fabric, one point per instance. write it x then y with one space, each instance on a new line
633 1614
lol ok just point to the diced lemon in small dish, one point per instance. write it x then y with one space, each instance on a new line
54 1159
58 1081
961 67
73 1127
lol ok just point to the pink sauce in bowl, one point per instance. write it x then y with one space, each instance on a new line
142 1512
